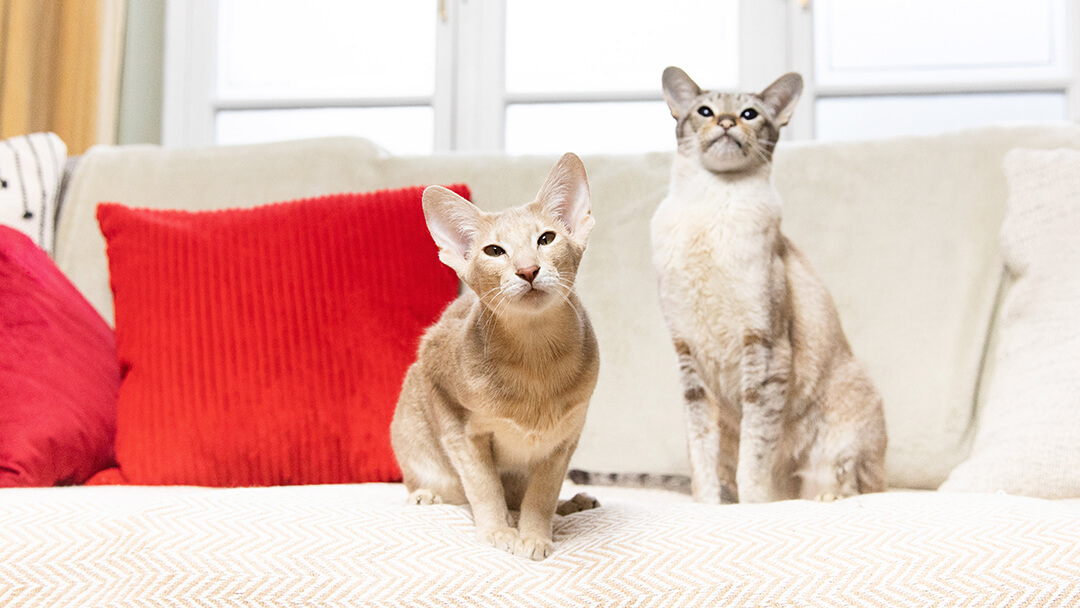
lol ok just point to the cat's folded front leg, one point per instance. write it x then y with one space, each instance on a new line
472 457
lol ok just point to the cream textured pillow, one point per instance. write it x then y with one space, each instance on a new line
1027 438
31 167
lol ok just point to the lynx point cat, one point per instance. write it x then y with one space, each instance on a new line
492 409
776 404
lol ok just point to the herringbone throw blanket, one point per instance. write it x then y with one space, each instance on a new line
359 545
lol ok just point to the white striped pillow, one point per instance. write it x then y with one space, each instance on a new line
31 168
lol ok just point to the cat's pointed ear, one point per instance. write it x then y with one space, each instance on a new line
783 95
565 193
452 221
679 91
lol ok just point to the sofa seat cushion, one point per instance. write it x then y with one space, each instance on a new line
59 374
353 545
266 346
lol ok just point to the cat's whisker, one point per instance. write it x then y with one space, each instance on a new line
760 153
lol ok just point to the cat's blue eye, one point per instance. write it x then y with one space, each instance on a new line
546 239
749 114
705 111
494 250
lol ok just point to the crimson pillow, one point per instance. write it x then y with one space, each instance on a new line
267 346
59 375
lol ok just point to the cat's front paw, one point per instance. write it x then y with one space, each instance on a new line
580 502
501 538
424 497
535 548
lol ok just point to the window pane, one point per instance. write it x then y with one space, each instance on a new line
326 48
614 45
399 130
589 128
903 40
865 117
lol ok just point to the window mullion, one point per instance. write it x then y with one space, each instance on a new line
479 69
1072 91
189 73
442 102
775 36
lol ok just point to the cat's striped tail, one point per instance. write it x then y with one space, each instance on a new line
674 483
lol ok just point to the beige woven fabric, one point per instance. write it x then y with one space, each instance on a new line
1028 435
361 546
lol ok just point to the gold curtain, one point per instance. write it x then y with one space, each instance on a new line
60 69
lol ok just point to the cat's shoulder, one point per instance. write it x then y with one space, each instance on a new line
450 322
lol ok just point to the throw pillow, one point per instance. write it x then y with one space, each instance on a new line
1027 438
59 374
31 168
267 346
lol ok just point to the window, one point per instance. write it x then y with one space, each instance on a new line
545 77
891 67
419 76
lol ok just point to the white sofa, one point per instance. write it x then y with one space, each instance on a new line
907 234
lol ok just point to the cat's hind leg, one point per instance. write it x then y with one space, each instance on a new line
848 455
839 466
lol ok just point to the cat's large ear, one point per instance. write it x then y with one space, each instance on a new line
565 193
783 95
679 91
452 221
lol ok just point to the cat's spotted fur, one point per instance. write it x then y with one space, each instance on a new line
776 404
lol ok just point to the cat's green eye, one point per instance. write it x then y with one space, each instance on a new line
749 114
546 239
494 250
705 111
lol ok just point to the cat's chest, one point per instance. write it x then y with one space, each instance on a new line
516 445
709 252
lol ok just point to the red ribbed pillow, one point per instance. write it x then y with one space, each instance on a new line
59 375
267 346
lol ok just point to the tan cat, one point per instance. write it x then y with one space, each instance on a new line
492 409
777 406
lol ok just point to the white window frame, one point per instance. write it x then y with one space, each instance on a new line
1063 77
470 104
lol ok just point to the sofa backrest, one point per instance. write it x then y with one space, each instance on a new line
904 232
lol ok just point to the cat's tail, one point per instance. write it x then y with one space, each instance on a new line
674 483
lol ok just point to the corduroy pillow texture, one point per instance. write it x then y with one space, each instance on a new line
267 346
59 374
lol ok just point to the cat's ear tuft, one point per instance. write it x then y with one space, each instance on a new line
783 95
565 193
679 91
453 222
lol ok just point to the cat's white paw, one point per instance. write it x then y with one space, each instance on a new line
424 496
535 548
580 502
506 538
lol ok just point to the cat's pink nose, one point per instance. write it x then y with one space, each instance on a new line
529 274
727 123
